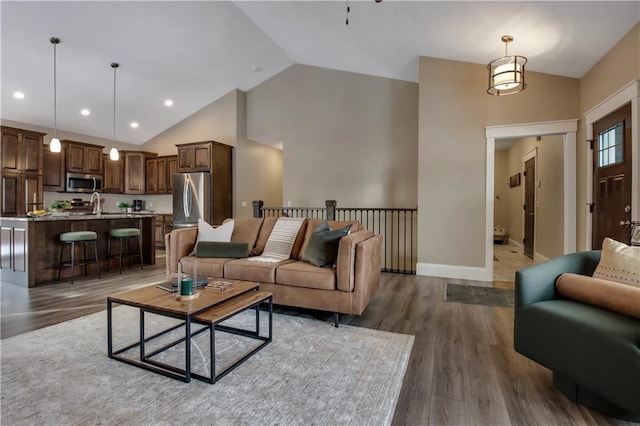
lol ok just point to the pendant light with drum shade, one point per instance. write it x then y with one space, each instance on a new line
113 154
506 74
54 145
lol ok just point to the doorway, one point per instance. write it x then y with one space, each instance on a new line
567 130
529 219
612 176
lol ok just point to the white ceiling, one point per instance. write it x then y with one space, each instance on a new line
195 52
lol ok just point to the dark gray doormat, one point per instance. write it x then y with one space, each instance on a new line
475 295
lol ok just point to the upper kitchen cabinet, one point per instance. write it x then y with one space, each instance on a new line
159 171
83 158
172 168
21 150
195 157
113 181
127 175
134 170
52 169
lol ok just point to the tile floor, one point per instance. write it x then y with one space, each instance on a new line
510 259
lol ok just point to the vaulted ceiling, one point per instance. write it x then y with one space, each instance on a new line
195 52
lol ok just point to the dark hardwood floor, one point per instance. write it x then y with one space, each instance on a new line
462 370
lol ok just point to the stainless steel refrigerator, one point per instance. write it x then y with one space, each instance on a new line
191 199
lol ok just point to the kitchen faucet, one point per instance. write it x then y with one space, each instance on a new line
97 209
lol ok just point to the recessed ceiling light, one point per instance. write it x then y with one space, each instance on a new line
85 112
134 124
168 102
256 68
18 95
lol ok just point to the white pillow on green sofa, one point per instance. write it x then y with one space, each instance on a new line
619 262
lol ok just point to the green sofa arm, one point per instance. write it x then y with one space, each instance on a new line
537 283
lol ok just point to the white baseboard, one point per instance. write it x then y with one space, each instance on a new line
453 271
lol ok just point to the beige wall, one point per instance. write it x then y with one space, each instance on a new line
453 112
216 121
348 137
501 189
257 168
260 177
616 69
451 163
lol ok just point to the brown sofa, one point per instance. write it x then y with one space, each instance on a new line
346 288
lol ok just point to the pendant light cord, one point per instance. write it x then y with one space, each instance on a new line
115 66
55 41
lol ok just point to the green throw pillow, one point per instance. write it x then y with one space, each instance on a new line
219 249
322 248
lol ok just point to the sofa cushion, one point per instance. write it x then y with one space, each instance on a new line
303 274
610 295
281 240
312 224
245 230
322 248
619 262
211 266
265 231
263 235
242 269
216 249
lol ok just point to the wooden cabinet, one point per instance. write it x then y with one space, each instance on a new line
159 171
21 172
83 158
53 169
21 150
113 181
164 225
21 192
172 168
134 172
127 175
194 157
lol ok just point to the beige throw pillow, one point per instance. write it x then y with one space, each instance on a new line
619 262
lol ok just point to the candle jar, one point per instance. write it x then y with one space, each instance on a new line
187 282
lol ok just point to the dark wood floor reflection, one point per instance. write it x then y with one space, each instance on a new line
462 370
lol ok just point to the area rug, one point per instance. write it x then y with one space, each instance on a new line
312 373
476 295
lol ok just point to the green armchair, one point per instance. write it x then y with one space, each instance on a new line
594 353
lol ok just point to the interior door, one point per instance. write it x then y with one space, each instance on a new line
529 205
611 206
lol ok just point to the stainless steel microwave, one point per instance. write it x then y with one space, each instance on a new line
78 182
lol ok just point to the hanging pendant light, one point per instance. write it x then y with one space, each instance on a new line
55 145
506 74
113 154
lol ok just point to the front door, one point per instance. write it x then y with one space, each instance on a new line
612 177
529 205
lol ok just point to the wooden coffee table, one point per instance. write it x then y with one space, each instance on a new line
209 309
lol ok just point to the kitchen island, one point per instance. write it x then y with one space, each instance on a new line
30 247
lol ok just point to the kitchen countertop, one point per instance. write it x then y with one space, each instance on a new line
77 216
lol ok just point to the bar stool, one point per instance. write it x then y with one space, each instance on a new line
70 239
124 234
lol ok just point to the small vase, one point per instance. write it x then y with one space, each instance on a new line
129 209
